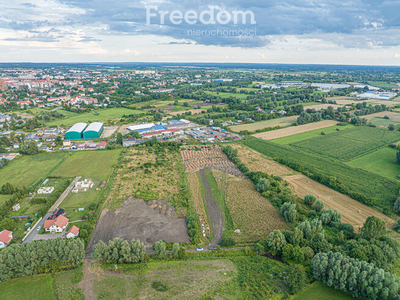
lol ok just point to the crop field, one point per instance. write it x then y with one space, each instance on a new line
352 211
214 279
227 95
319 290
104 115
26 170
89 164
349 180
349 144
253 214
196 158
293 130
282 122
382 162
393 116
310 134
149 174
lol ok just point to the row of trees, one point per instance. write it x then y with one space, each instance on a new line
119 251
357 277
19 260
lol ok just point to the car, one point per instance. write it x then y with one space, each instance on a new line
39 228
199 249
212 248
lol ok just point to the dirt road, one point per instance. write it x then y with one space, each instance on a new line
214 215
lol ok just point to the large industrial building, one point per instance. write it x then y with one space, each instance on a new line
93 131
76 131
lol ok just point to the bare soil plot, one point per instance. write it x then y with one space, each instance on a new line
196 158
282 122
270 135
108 131
197 199
392 115
352 211
148 222
253 214
257 162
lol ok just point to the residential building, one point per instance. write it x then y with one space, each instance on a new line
57 225
73 232
5 238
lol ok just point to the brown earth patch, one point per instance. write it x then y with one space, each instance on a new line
257 162
270 135
352 211
148 222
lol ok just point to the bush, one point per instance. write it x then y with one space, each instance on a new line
158 286
310 199
227 241
319 206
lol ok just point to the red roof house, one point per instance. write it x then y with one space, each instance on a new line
5 238
73 232
59 224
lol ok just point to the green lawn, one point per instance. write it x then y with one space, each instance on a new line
33 287
25 170
89 164
227 95
310 134
104 115
349 144
319 290
382 162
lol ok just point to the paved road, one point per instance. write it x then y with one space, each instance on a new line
34 232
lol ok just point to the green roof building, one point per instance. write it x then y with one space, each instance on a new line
93 131
76 131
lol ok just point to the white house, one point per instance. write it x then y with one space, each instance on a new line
73 232
5 238
16 207
57 225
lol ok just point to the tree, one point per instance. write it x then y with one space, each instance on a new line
398 157
227 241
391 127
29 148
119 138
7 189
175 250
396 205
310 199
160 247
135 134
330 217
373 228
262 185
288 211
319 206
153 140
259 249
276 241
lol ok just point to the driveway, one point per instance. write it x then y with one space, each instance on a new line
49 236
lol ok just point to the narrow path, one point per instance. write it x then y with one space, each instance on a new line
91 273
215 217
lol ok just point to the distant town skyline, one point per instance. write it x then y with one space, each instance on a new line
357 32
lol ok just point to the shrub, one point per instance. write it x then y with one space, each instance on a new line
227 241
310 199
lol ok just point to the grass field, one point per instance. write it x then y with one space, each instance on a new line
310 134
4 198
104 115
227 95
349 144
27 169
33 287
319 290
89 164
282 122
382 162
214 279
348 180
383 122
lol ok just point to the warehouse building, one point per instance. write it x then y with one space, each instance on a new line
93 131
76 131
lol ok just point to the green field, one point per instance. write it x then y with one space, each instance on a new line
319 290
382 162
4 198
349 144
282 122
104 115
344 178
33 287
27 169
89 164
310 134
383 122
227 95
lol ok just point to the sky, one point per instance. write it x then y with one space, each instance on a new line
359 32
